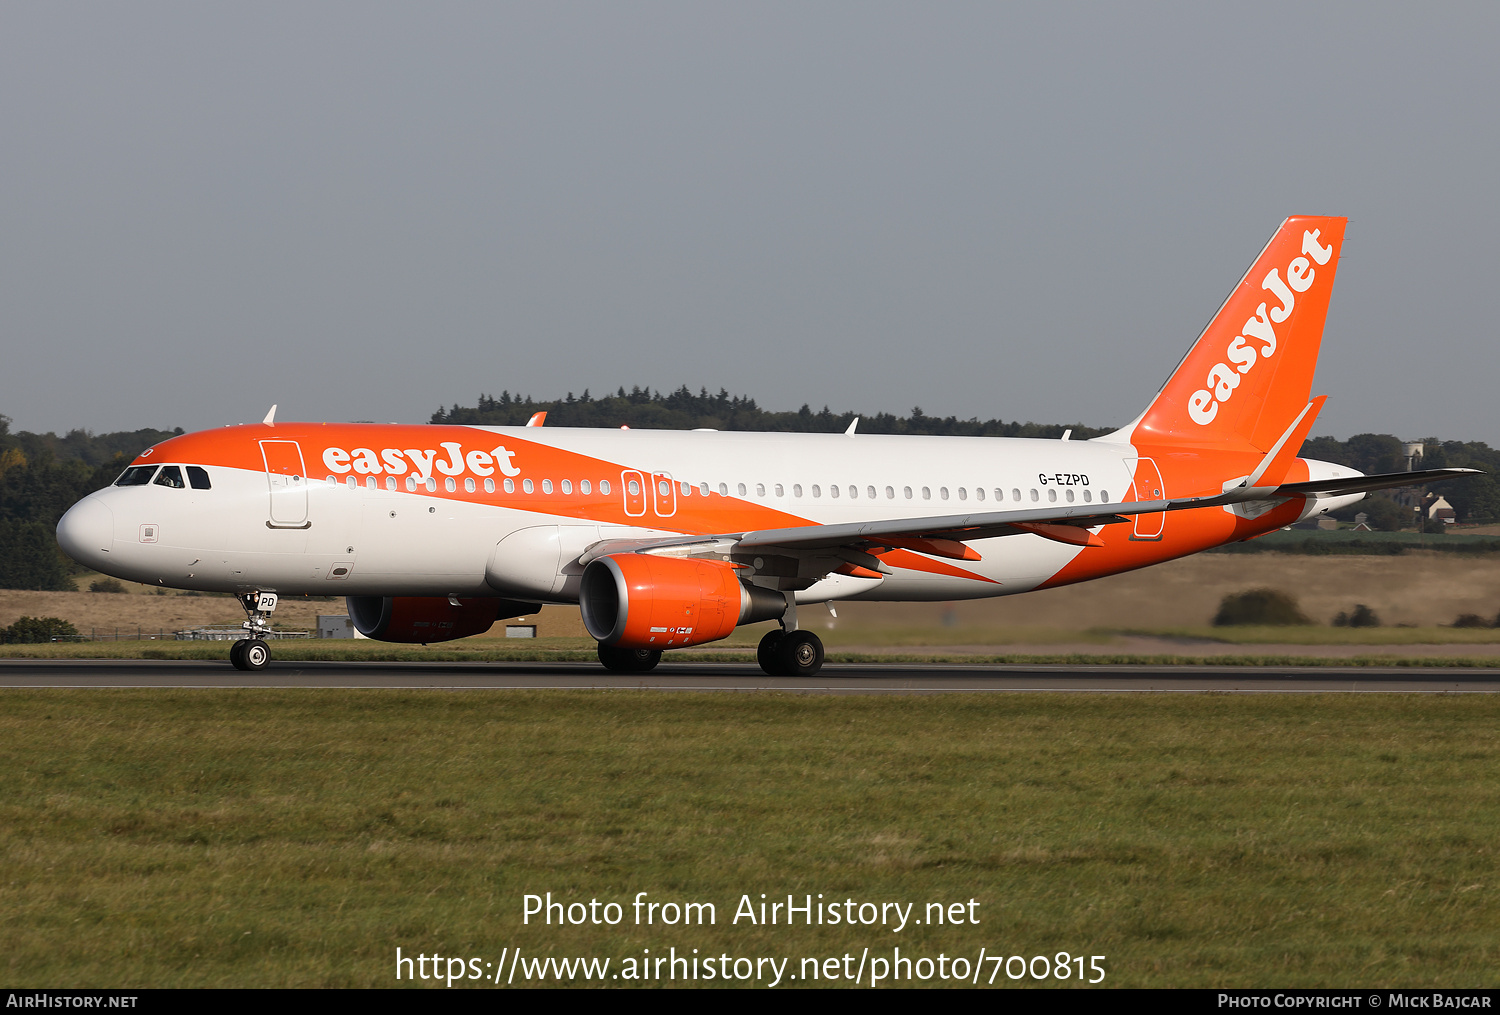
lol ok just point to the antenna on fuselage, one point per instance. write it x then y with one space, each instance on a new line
270 419
850 432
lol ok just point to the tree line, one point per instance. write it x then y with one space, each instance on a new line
42 475
645 409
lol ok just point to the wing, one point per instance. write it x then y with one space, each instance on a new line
823 549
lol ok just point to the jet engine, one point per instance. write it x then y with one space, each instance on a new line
429 618
644 601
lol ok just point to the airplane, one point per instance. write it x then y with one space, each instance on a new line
667 539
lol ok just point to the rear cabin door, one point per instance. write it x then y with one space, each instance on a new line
1148 486
288 480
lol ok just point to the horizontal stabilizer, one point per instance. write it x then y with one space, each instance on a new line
1364 484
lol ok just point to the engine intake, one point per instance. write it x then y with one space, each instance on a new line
429 618
639 600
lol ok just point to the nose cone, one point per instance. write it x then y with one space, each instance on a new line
87 533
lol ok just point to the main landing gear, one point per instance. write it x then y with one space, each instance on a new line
253 653
790 653
628 660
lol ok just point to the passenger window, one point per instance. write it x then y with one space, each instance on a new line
907 491
469 485
390 483
780 490
527 486
687 489
999 493
448 484
1069 494
796 489
1016 494
546 486
171 476
927 493
979 492
1034 495
136 475
833 491
817 490
943 492
371 483
963 494
489 486
760 489
603 486
741 488
1088 496
703 489
1051 495
567 486
634 488
510 486
853 493
411 484
585 487
723 489
1103 496
890 493
198 477
870 492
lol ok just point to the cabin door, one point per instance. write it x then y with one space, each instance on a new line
1148 486
288 481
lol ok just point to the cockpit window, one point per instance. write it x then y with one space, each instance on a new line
136 475
198 476
171 476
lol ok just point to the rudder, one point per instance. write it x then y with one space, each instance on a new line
1250 373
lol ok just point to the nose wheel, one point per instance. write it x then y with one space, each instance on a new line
253 653
250 654
790 653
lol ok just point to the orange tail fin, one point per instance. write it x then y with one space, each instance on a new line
1250 373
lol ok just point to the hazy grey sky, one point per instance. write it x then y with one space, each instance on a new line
362 211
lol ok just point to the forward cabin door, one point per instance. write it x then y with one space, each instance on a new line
288 480
1148 486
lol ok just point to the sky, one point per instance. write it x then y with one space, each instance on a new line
367 210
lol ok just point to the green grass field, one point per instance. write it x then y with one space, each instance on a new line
295 838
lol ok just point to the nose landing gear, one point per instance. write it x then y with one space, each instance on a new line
249 654
253 653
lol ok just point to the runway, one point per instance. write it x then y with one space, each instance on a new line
692 676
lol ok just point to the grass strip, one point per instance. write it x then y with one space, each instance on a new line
296 838
1312 634
376 652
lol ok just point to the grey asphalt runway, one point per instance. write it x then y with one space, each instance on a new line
690 676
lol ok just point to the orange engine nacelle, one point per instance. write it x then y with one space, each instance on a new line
637 600
429 618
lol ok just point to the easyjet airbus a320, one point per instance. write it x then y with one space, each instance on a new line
667 539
